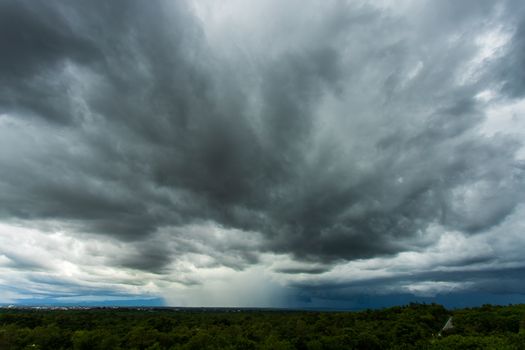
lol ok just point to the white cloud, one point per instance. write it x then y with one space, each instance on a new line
505 117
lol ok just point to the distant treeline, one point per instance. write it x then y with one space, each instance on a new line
415 326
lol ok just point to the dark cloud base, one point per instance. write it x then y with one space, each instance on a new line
371 301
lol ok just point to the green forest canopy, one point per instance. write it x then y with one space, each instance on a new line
415 326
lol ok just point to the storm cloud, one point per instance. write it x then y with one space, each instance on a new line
175 137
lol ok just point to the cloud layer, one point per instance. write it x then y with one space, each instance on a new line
309 141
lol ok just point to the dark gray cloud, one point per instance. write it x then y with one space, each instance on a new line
461 281
511 68
343 139
36 41
309 270
36 38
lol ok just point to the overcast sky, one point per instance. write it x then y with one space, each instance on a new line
262 153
